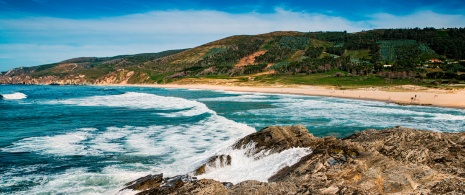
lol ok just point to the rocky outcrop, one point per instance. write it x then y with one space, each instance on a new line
276 139
444 152
392 161
120 76
147 182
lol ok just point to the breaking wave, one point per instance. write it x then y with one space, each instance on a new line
258 167
13 96
172 149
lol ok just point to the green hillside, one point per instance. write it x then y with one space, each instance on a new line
428 56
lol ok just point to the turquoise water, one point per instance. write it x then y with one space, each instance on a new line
92 140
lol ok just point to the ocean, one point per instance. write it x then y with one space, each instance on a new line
94 139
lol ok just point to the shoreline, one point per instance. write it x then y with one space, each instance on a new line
408 95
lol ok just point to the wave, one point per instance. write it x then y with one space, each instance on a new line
13 96
173 149
323 112
179 107
258 167
241 98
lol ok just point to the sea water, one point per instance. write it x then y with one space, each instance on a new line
94 139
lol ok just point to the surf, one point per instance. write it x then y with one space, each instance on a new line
13 96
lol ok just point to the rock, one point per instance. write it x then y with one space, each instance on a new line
392 161
276 139
330 190
215 161
203 186
444 152
256 187
449 186
228 185
147 182
162 185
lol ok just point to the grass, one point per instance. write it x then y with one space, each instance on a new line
360 54
318 79
320 43
327 79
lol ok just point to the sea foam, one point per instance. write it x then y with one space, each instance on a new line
13 96
176 149
259 167
179 106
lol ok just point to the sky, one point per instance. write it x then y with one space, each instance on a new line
35 32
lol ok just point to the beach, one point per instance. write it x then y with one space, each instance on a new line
403 95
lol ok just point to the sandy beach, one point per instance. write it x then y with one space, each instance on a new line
404 95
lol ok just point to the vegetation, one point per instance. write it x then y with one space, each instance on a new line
330 79
376 57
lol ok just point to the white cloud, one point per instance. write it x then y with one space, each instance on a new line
419 19
185 22
38 40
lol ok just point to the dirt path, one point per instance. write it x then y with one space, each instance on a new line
249 59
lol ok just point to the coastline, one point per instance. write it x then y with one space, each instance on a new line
402 95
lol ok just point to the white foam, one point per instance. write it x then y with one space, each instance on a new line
178 149
14 96
143 101
259 167
241 98
449 117
66 144
80 181
362 114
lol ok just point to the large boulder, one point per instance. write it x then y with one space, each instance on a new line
276 139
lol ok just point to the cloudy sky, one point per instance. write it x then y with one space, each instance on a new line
34 32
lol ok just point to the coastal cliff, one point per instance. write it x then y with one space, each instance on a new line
391 161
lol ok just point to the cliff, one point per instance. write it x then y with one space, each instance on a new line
392 161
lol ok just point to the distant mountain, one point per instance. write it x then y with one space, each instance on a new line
392 53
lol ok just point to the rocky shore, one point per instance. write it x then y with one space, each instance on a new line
391 161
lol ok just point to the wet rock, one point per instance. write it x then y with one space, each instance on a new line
147 182
228 185
215 161
175 182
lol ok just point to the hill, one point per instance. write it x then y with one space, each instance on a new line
430 56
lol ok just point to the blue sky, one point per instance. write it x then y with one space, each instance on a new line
34 32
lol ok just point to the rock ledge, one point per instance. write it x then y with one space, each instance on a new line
392 161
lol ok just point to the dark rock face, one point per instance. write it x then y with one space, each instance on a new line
391 161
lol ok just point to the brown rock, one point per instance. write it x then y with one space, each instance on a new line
144 183
215 161
276 139
444 152
392 161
